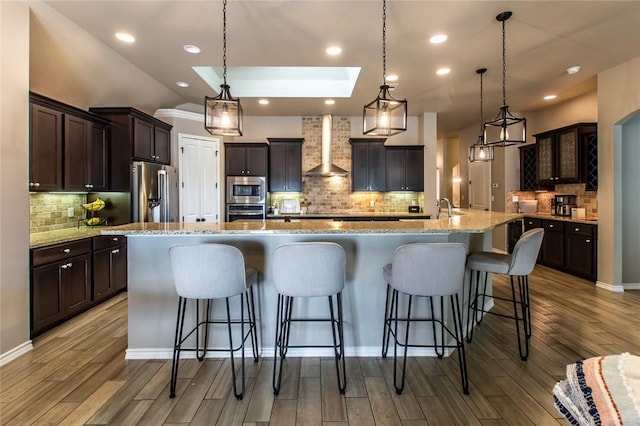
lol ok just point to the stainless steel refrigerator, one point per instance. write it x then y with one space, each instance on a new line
154 192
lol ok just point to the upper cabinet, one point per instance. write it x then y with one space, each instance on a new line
560 154
405 168
134 135
246 159
285 164
68 148
368 164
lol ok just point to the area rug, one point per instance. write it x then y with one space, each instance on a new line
602 390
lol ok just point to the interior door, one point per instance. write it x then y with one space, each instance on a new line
480 185
199 166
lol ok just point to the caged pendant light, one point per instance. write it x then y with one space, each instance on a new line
223 113
506 129
480 151
385 115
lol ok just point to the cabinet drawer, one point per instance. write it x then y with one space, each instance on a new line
106 241
580 229
57 252
552 225
532 223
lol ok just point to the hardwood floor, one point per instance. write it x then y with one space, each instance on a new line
77 373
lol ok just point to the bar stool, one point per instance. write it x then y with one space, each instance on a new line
207 272
308 269
518 264
425 270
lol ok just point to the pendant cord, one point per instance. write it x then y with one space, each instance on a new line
384 42
504 65
224 41
481 114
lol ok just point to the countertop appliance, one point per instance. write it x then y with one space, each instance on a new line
154 192
563 204
289 206
246 189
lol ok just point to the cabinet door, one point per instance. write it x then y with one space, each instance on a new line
278 166
553 244
77 283
119 267
293 167
47 303
395 170
143 136
234 160
580 250
45 149
368 166
590 160
102 283
256 161
528 168
162 145
77 135
567 170
546 173
97 158
359 167
414 169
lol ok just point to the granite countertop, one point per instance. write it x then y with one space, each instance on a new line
588 220
41 239
467 221
350 216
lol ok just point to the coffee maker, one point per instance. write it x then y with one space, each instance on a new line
563 204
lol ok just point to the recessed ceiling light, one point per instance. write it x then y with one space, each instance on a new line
263 101
127 38
329 102
549 97
191 48
334 50
438 38
182 83
443 71
573 70
392 77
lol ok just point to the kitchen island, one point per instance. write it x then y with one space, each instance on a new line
368 245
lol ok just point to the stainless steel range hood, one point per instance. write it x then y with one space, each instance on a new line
326 168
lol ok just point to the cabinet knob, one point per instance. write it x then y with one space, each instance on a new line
587 241
577 229
66 250
37 184
550 226
116 251
114 239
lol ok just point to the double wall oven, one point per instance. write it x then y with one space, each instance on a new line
246 197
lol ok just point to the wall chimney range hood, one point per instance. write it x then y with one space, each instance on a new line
326 168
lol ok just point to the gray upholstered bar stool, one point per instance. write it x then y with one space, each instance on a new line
519 264
204 272
431 270
308 269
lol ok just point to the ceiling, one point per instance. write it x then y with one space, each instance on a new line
543 39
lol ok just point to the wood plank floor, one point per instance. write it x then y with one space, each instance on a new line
77 373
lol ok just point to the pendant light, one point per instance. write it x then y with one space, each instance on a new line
385 115
506 129
223 113
480 151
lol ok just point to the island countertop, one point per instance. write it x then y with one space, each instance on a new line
466 221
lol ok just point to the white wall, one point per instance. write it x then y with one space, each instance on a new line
630 202
14 198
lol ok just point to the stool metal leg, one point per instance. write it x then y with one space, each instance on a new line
400 387
387 321
182 307
523 347
457 324
237 394
253 330
278 355
338 347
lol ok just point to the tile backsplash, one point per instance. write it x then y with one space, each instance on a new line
333 195
49 212
584 199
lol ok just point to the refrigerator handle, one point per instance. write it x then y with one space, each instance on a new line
163 193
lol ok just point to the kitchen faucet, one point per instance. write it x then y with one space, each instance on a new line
439 204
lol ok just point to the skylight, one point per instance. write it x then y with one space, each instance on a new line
284 82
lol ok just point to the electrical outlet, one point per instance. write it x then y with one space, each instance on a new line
372 203
70 212
514 198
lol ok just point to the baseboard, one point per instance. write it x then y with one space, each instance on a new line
615 288
631 286
16 352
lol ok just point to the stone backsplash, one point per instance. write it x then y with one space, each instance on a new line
333 195
49 212
584 199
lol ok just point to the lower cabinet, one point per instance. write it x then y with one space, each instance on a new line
69 278
567 246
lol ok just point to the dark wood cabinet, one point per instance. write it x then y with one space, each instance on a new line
529 168
133 135
590 160
553 244
45 149
246 159
68 148
405 168
581 250
560 154
533 223
368 164
285 164
109 266
60 283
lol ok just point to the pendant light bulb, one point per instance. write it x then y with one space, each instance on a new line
482 155
225 121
